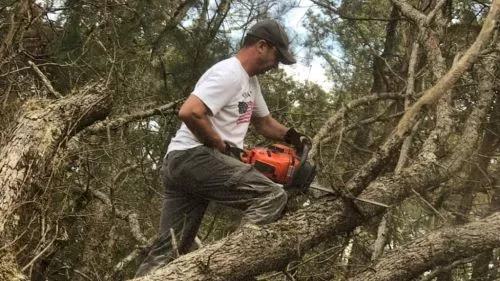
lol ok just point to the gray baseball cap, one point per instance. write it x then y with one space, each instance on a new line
273 32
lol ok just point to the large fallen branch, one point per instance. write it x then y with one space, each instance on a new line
41 129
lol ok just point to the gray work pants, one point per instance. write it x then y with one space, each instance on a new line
194 177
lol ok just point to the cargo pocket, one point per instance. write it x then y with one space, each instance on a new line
202 167
237 176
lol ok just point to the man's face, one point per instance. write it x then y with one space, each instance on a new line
269 57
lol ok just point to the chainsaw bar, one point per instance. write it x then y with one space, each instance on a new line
331 191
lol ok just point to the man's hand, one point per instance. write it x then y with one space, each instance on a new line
233 151
221 146
297 139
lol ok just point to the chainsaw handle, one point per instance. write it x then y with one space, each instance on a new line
304 166
305 153
236 152
303 160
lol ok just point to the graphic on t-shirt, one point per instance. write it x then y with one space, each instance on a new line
242 107
245 110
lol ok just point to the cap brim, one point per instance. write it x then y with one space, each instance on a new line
286 56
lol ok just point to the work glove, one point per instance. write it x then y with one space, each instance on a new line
233 151
297 139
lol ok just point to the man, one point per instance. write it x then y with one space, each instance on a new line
197 167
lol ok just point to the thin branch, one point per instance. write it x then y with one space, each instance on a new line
33 260
175 246
131 218
123 172
371 120
447 268
410 88
409 11
45 80
433 13
29 67
326 129
120 121
16 23
382 237
130 257
172 22
428 204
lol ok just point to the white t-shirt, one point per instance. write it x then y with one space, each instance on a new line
232 96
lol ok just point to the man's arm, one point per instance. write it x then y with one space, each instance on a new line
269 127
194 114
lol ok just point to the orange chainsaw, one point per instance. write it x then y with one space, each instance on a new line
282 164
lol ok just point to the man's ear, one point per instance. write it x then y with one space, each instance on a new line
261 45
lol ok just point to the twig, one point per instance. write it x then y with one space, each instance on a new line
341 135
83 274
337 11
433 13
428 204
305 261
198 241
367 121
132 256
329 125
129 217
175 246
42 251
45 80
289 277
28 67
436 272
